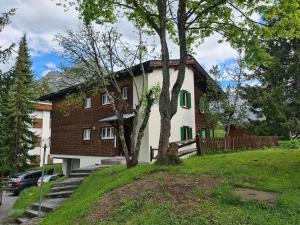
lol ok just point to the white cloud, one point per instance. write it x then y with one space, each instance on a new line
45 72
51 65
42 20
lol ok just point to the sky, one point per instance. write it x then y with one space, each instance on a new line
41 20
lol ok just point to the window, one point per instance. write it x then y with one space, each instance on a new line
202 103
125 92
107 133
185 99
88 103
86 134
106 99
186 133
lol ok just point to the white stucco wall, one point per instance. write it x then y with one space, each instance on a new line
144 151
44 133
183 117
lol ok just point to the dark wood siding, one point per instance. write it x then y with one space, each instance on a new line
66 131
199 87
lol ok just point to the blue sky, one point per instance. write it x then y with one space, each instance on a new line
45 62
42 20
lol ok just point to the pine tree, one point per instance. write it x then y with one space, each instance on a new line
15 137
276 100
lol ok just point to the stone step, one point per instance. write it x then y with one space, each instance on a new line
59 194
111 162
33 213
69 181
75 175
82 171
63 188
48 204
22 220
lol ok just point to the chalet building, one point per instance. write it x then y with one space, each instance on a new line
42 128
88 134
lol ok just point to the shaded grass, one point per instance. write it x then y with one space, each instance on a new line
275 169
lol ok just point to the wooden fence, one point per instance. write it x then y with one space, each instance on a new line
214 145
210 145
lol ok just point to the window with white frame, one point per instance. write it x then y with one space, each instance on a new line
88 103
86 134
106 99
107 133
125 92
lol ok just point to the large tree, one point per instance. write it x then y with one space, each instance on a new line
16 106
276 98
186 22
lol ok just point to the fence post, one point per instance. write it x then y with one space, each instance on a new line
151 153
198 144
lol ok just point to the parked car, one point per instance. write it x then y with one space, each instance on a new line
47 178
20 181
1 190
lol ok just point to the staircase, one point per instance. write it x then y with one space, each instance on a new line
58 193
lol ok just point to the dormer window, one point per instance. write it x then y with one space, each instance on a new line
88 103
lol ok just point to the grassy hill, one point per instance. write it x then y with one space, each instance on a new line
196 192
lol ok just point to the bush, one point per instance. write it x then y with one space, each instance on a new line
294 144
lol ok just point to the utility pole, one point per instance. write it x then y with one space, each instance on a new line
42 180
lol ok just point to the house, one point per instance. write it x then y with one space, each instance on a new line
42 128
88 134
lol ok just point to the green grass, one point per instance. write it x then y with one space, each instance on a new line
219 132
57 168
28 197
294 144
275 169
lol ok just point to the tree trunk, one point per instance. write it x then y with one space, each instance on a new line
167 106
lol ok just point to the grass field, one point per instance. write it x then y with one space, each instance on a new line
275 170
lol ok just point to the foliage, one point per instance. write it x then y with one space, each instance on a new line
226 107
4 20
276 99
72 102
272 169
294 144
15 109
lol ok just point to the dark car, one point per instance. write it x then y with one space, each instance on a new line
20 181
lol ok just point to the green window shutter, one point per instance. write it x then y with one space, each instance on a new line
181 98
201 105
182 133
202 133
190 133
189 100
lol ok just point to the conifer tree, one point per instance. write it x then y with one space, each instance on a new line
16 106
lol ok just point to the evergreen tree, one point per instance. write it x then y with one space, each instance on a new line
16 106
276 100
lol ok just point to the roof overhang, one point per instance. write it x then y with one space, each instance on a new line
115 118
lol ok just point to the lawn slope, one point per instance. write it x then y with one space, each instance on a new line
275 170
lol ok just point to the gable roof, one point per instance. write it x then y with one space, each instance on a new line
149 66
